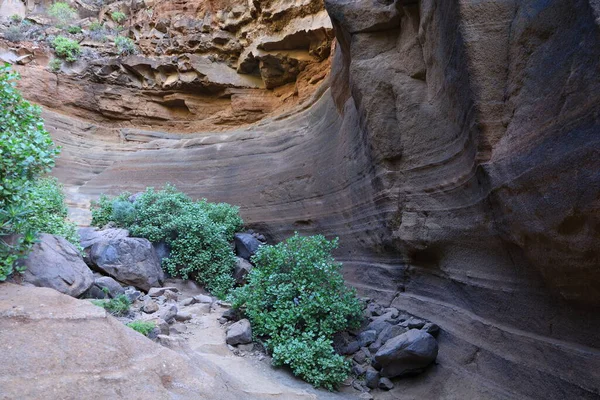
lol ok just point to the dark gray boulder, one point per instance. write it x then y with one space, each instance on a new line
55 263
410 352
239 333
245 245
104 287
241 270
90 236
132 261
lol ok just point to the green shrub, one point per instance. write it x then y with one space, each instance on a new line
55 64
16 18
74 29
118 17
26 152
143 327
296 301
62 13
124 45
14 34
49 211
198 232
96 26
66 48
117 306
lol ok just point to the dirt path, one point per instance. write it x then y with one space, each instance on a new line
250 372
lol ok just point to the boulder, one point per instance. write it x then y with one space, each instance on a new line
60 347
104 287
204 299
55 263
367 337
241 270
410 352
385 384
385 335
90 236
239 333
169 314
372 378
157 292
245 245
129 260
150 306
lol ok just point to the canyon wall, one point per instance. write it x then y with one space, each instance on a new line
455 150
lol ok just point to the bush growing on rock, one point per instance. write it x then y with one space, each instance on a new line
117 306
26 152
62 13
296 300
143 327
66 48
197 232
124 45
118 17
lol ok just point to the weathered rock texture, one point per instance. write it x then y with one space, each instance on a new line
456 155
57 347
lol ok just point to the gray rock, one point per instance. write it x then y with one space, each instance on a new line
90 236
379 323
410 352
188 302
358 385
358 370
129 260
360 357
171 296
245 245
375 309
150 306
385 384
230 314
169 314
178 328
201 298
385 335
55 263
372 378
239 333
163 250
246 347
241 270
183 316
365 338
132 294
222 320
162 326
431 328
351 348
159 291
111 286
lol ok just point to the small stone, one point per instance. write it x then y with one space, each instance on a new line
431 328
201 298
162 326
415 323
360 357
171 296
150 307
222 320
230 314
132 294
367 337
393 312
385 384
358 370
188 302
351 348
169 314
246 347
183 316
375 309
359 386
155 292
372 378
239 333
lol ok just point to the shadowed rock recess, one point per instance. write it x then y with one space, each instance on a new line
454 149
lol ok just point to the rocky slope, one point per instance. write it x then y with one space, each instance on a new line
454 151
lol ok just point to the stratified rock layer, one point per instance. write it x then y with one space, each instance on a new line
455 155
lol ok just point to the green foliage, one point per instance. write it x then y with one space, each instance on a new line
14 34
16 18
96 26
124 45
118 17
66 48
143 327
117 306
49 211
26 152
74 29
62 13
296 300
55 64
198 232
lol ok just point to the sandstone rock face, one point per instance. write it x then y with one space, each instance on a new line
101 359
453 151
55 263
132 261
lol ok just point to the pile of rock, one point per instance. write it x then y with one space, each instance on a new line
390 344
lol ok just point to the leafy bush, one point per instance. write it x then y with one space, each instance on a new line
124 45
74 29
14 34
143 327
118 17
55 64
62 13
296 300
26 152
117 306
49 211
198 233
66 48
16 18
